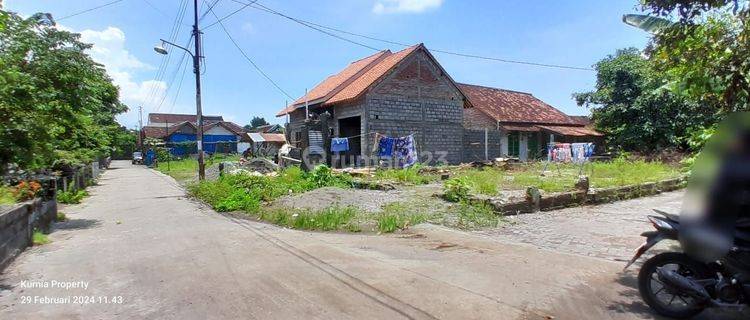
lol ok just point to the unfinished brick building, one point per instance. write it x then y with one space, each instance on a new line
396 94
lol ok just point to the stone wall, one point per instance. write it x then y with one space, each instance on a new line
17 226
476 119
474 141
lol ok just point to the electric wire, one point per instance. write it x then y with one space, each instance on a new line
89 10
257 68
313 25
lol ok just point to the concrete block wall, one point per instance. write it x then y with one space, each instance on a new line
17 225
436 125
474 145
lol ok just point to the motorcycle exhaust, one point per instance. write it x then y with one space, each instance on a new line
683 284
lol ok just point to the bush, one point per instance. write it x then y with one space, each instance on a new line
322 176
26 190
239 200
456 190
476 216
410 175
6 195
71 197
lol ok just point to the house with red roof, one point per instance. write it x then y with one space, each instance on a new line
409 93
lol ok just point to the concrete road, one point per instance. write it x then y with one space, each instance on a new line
138 249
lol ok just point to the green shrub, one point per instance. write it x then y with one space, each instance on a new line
71 196
6 195
239 200
322 176
456 189
398 216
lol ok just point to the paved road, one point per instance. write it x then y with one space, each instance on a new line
139 238
610 231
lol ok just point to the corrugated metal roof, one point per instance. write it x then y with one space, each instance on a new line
256 137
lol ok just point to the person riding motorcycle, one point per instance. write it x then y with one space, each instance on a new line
726 216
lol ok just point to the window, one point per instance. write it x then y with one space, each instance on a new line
297 136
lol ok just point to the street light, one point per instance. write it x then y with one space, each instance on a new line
196 69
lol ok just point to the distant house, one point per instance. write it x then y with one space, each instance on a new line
178 130
269 128
526 124
409 93
265 144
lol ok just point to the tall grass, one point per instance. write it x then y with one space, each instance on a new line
398 216
410 175
562 177
329 219
187 169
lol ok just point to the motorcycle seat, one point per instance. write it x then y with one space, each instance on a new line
670 216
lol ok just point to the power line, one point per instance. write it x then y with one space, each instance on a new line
211 6
261 7
179 86
89 10
248 58
174 32
244 5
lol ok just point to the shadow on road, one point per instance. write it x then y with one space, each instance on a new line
77 224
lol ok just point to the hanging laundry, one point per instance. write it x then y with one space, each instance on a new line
385 146
405 151
339 144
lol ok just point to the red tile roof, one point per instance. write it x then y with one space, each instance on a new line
513 106
572 131
353 81
359 85
156 131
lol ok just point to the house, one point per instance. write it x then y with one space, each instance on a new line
265 144
269 128
179 130
409 92
525 123
395 94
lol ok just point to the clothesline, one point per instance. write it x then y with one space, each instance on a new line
366 134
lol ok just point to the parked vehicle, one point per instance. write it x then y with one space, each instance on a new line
137 157
676 285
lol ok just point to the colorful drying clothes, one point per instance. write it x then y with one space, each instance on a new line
339 144
405 151
385 146
402 150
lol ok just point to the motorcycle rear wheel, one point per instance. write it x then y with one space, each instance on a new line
662 298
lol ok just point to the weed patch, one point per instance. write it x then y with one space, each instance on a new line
477 216
6 195
39 238
410 175
71 197
329 219
398 216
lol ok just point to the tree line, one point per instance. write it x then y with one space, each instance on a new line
57 106
671 94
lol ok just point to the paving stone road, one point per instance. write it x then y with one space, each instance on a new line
610 231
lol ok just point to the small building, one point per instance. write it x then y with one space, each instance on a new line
179 132
525 123
264 144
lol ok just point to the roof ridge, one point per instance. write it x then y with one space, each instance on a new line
370 56
494 88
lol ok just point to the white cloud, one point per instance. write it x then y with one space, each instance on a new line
405 6
109 50
248 27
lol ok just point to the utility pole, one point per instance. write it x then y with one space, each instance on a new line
197 71
140 128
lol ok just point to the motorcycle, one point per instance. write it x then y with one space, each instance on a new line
676 285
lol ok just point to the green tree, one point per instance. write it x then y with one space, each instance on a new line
706 54
256 122
631 106
56 103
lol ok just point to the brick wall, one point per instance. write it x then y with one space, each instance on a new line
474 141
476 119
417 98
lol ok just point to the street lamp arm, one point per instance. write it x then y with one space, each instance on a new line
178 46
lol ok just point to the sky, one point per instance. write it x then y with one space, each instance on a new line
573 33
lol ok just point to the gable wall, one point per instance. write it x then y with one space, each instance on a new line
416 98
